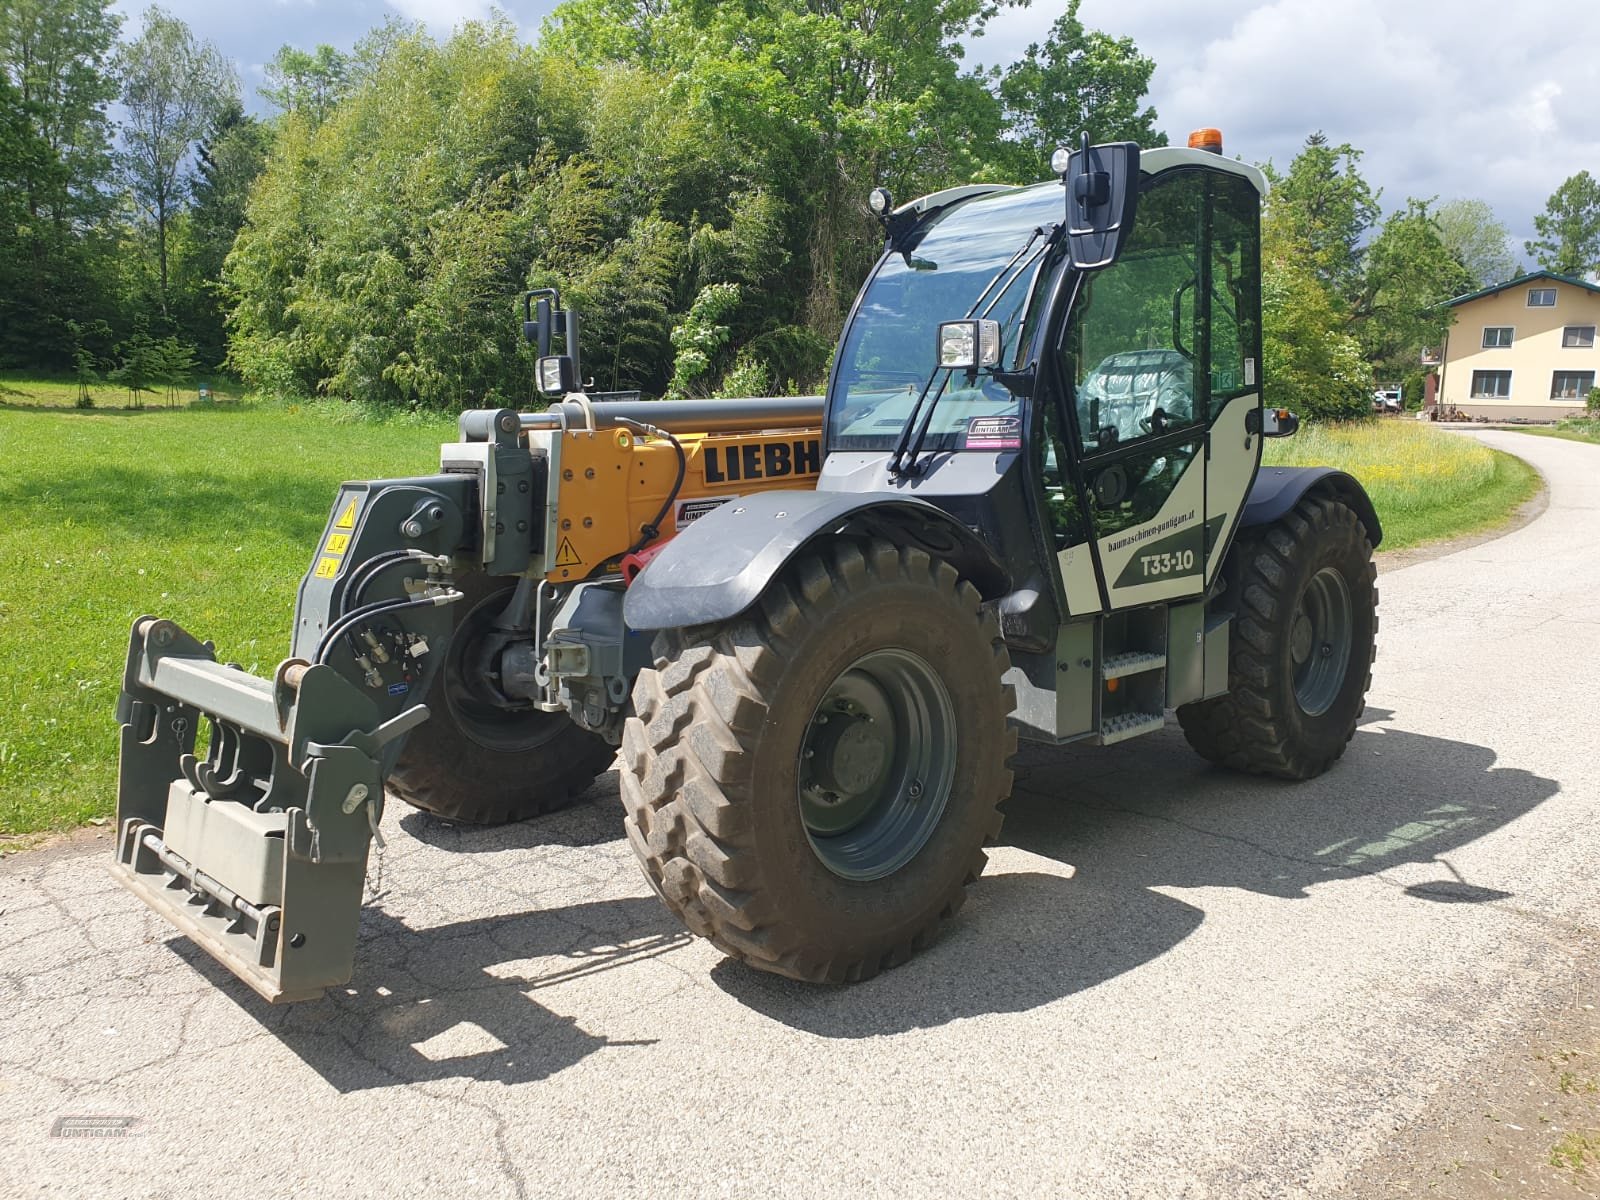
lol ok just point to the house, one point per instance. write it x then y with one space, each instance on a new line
1525 348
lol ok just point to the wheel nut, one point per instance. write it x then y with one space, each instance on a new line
915 790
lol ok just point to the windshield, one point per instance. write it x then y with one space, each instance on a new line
958 264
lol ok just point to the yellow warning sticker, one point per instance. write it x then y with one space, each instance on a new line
327 568
566 556
337 543
347 519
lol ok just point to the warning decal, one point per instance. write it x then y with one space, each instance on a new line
347 519
327 568
566 556
337 543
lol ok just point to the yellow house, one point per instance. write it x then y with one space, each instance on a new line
1525 348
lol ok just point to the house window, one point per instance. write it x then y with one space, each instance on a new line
1491 385
1541 297
1497 337
1571 385
1577 337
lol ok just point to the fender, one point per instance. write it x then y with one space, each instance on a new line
717 567
1278 489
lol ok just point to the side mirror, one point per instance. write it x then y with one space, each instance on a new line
1271 422
557 374
537 322
1102 185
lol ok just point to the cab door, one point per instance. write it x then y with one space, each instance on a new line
1141 397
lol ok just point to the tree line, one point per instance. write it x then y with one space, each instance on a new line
690 174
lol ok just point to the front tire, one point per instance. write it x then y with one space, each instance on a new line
834 864
1300 658
481 763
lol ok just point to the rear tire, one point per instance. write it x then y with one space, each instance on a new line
722 803
473 762
1302 646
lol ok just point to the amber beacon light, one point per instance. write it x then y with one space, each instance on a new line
1206 139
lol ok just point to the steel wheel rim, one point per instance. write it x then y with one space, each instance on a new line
1321 633
877 764
490 725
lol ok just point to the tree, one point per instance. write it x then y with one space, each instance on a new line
139 362
1408 274
1078 81
1326 208
307 83
1569 228
173 90
227 162
53 165
1480 242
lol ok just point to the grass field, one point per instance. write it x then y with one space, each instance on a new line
209 515
1572 431
26 391
1425 483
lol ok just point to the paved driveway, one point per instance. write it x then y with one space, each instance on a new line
1172 982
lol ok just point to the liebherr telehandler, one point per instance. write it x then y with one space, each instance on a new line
1031 502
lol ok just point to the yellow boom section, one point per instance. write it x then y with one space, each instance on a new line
613 484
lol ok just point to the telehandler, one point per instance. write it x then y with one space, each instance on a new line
1031 503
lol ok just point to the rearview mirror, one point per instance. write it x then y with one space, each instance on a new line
1102 185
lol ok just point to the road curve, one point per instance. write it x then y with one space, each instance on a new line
1172 982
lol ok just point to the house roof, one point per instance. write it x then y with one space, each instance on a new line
1521 279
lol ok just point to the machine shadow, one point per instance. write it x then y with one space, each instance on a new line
582 824
1148 815
456 1001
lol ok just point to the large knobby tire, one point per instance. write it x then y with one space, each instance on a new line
483 764
1301 650
724 812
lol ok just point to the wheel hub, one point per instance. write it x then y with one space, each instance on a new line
876 765
1300 637
1320 640
851 755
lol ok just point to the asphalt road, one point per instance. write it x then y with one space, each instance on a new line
1172 982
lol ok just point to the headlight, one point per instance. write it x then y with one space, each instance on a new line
968 345
555 375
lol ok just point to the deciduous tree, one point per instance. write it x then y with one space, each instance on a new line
1569 228
1480 242
173 89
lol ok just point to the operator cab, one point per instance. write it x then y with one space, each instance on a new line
1112 391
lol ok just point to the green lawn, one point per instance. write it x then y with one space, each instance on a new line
20 390
1572 431
209 516
1425 483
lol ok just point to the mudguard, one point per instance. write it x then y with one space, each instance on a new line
1278 489
717 567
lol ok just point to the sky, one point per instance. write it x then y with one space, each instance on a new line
1447 98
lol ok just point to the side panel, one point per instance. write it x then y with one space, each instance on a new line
609 485
1160 559
1235 454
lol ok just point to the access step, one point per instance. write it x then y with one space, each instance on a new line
1132 662
1130 725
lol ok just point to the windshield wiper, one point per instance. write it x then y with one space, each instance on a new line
911 444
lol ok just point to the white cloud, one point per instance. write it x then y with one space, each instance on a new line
441 16
1445 97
